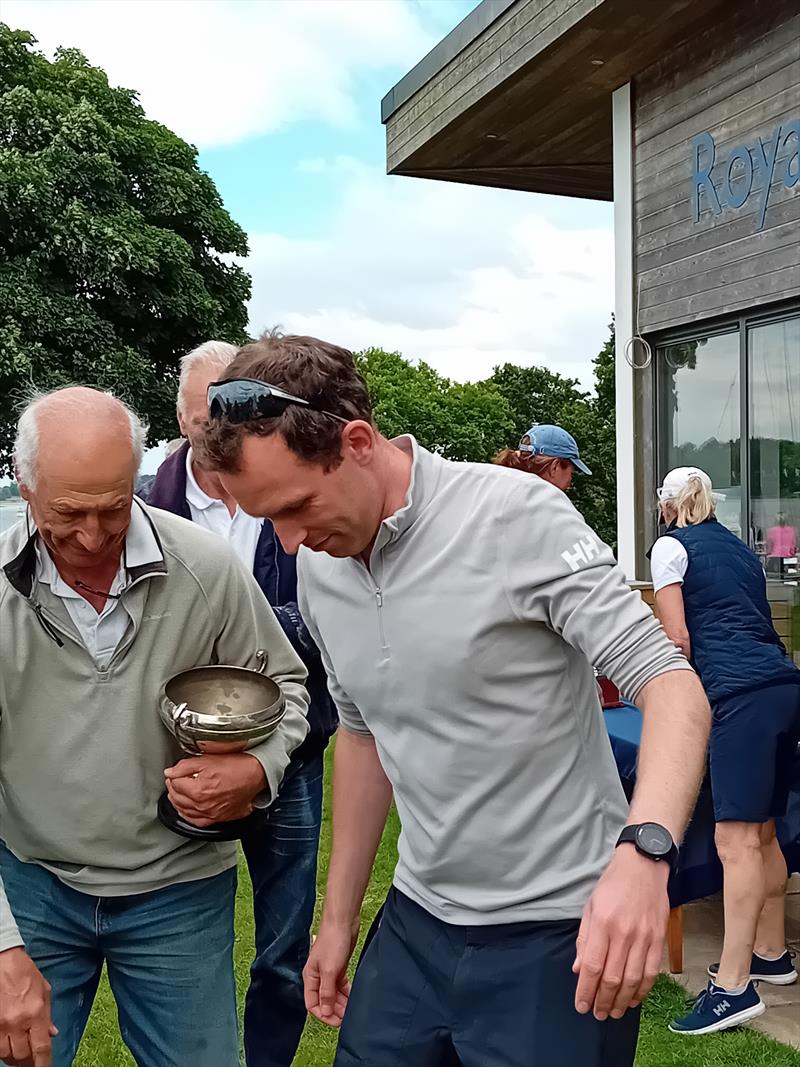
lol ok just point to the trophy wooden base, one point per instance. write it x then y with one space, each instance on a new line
220 831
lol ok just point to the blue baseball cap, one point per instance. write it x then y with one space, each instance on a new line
555 442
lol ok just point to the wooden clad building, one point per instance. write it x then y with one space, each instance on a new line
685 113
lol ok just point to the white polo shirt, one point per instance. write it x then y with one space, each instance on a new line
102 633
669 562
240 530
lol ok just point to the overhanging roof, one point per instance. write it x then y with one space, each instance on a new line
518 95
478 20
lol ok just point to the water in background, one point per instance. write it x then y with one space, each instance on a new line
11 512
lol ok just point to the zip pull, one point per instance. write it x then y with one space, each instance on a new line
45 625
381 629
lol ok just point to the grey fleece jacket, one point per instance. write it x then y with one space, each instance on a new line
465 649
83 751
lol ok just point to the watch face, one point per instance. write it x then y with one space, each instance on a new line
653 839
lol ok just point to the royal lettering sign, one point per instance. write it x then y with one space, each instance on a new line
747 173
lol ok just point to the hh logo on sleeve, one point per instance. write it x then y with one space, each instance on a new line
582 552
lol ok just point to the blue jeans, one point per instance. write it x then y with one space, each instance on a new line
282 858
169 956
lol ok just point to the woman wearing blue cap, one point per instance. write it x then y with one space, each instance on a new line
547 451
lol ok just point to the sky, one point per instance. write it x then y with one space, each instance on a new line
282 99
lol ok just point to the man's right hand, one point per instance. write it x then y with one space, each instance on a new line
26 1028
325 975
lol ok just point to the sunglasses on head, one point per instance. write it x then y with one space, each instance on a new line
239 400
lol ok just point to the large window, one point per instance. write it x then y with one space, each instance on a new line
700 414
729 402
773 356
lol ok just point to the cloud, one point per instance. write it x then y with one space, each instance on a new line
462 277
220 71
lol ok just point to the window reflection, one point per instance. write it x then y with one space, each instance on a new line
700 415
774 372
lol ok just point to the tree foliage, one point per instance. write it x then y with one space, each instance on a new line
469 421
474 421
538 395
112 241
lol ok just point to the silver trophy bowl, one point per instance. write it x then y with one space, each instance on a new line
220 709
217 710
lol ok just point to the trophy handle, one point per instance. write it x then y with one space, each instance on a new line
186 743
177 711
261 661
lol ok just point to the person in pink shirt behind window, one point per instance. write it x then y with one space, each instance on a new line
781 540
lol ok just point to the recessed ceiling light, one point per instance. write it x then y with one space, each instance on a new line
598 62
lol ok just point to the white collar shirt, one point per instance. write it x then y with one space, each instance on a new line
102 632
240 530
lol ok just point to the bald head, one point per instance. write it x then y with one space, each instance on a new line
70 426
76 454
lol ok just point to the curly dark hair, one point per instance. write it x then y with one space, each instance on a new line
314 370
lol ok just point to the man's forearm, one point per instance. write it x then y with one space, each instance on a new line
274 753
361 798
677 720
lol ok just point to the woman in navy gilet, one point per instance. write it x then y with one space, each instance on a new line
711 597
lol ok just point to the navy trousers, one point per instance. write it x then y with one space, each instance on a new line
282 859
430 994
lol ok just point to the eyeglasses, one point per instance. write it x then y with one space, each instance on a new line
241 400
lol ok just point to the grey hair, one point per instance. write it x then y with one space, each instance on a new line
217 354
26 441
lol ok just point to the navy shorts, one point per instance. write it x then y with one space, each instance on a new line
753 749
430 994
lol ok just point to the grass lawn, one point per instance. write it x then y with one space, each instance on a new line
103 1047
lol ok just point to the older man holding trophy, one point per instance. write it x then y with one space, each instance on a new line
149 701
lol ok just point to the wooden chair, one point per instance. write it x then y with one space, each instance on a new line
675 941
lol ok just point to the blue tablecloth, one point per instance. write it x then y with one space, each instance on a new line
699 872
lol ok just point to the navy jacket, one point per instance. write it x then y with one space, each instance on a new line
735 648
276 574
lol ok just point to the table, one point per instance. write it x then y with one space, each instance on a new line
699 871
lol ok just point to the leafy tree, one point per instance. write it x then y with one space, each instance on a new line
605 369
538 395
461 421
112 241
596 497
474 421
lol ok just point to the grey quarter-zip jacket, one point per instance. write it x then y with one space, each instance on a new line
466 650
83 750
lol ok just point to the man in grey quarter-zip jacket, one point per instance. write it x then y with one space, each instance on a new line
101 600
458 609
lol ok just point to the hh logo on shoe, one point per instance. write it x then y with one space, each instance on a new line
720 1009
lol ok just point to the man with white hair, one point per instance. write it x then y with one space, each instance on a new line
282 848
101 600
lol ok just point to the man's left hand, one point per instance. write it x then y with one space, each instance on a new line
208 789
621 938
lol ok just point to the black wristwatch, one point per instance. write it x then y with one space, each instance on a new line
652 840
